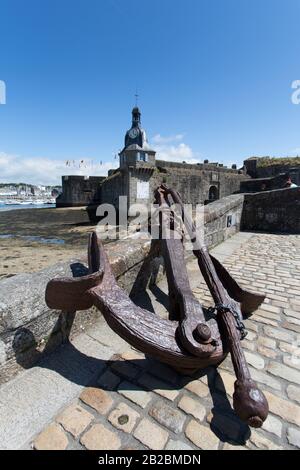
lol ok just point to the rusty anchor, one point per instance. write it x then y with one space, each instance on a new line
187 341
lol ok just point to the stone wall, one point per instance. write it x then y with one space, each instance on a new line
79 190
193 182
272 211
273 170
29 328
256 169
263 184
197 184
222 219
139 175
114 186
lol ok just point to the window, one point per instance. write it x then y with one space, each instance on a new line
142 157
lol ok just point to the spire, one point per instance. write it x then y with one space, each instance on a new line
136 97
136 116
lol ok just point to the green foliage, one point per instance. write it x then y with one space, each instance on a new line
270 161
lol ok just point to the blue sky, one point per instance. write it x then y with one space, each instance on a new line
214 79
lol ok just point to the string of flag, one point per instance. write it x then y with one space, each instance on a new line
85 163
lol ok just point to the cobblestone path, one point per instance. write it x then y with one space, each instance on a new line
137 403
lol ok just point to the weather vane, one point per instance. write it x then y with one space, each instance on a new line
136 97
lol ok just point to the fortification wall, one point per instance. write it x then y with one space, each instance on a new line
114 186
257 169
79 190
273 170
194 184
263 184
272 211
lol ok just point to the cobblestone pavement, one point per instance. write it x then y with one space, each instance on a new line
137 403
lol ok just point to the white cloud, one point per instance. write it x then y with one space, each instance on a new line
295 151
38 170
169 149
159 139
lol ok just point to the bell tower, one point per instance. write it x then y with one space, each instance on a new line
137 162
136 151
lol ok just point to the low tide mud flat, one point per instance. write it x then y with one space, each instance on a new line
31 239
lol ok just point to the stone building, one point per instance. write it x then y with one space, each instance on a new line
79 190
270 173
140 172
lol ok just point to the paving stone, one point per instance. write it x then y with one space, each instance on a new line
132 354
254 360
293 360
279 334
266 342
108 380
123 417
290 326
250 325
292 313
227 381
270 308
192 407
135 394
268 315
294 321
209 417
198 388
169 417
283 408
228 427
293 393
293 436
75 419
251 336
103 334
201 436
126 369
97 399
228 446
135 357
270 353
262 319
283 371
265 379
273 425
158 386
262 442
151 435
38 394
163 372
52 438
177 445
288 348
277 297
248 345
99 437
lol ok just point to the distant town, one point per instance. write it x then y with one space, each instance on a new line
27 194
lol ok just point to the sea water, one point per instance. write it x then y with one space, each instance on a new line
11 207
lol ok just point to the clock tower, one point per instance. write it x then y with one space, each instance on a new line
136 151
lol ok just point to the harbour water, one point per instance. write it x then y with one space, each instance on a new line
10 207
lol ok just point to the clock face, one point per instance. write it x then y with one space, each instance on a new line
133 133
